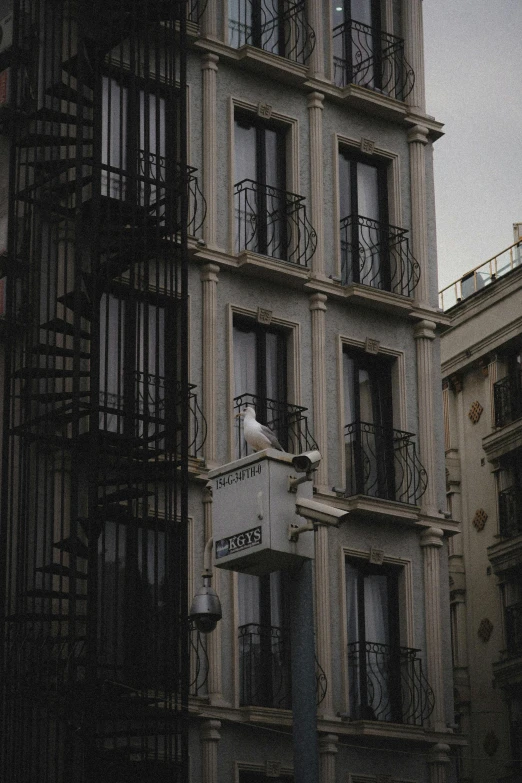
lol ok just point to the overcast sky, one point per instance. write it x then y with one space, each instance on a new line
473 51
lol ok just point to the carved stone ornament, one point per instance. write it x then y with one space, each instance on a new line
485 630
367 146
491 743
383 779
376 556
264 316
264 110
273 769
475 412
480 518
371 345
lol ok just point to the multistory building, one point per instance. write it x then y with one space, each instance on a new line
212 205
481 353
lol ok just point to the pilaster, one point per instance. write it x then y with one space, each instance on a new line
417 139
315 114
316 15
318 310
213 639
209 281
438 761
414 51
327 750
431 543
209 67
210 736
209 21
424 334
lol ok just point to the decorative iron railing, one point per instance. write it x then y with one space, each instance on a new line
287 422
372 59
273 223
387 684
481 276
198 663
383 463
264 668
510 512
196 9
508 399
377 255
513 624
155 411
275 26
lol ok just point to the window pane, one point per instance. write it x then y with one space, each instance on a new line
350 413
351 603
245 364
114 137
112 337
245 153
338 12
361 11
273 367
344 186
248 594
376 610
368 191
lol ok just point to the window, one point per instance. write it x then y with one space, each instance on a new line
356 42
510 495
508 391
260 377
512 597
264 649
365 246
277 26
137 386
260 190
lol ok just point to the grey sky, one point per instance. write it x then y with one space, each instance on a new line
473 51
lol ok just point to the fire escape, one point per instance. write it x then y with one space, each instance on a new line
96 437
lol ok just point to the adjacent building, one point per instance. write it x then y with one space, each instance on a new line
213 205
481 354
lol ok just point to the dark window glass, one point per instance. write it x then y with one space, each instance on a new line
356 41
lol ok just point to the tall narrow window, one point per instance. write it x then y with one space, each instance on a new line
357 42
365 246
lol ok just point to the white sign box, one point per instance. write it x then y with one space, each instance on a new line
252 509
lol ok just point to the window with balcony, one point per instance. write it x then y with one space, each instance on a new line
386 681
260 380
512 600
510 495
277 26
373 252
366 55
380 461
264 641
268 219
508 391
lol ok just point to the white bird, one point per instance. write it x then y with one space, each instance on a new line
257 435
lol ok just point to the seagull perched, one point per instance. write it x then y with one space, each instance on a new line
257 435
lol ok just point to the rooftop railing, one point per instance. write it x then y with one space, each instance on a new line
288 423
377 255
481 276
510 512
277 27
372 59
387 684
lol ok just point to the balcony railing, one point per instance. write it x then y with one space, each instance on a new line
387 684
264 668
195 10
371 59
287 422
510 512
383 463
273 223
198 663
154 412
273 25
481 276
508 399
513 622
377 255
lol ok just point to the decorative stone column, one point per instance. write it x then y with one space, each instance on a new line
214 681
417 139
315 15
431 542
327 750
318 310
209 69
209 280
209 21
315 114
424 333
414 51
438 760
210 736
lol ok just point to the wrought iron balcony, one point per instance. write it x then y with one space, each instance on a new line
372 59
275 26
155 413
287 422
273 223
377 255
508 399
264 668
510 512
195 10
383 463
387 684
513 623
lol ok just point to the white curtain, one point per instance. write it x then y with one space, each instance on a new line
248 595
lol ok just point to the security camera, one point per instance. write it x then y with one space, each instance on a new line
307 461
319 512
206 609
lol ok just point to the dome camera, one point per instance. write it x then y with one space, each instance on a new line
205 611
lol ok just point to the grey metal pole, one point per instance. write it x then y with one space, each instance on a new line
302 648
